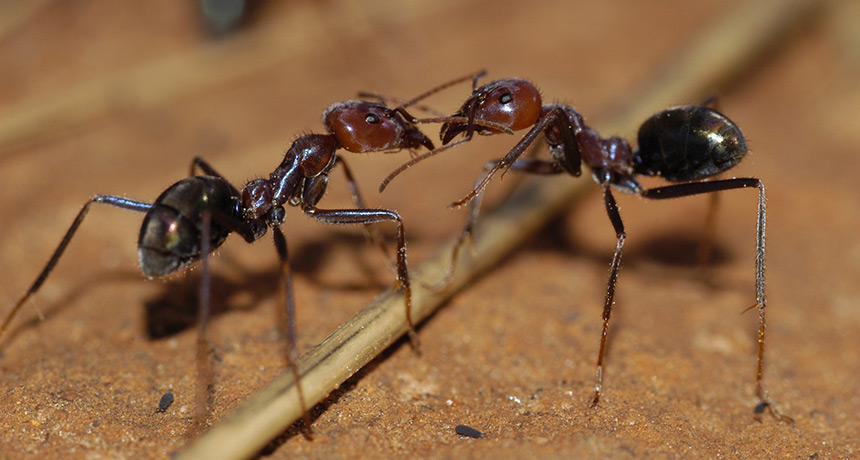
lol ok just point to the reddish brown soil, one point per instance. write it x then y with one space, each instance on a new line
513 355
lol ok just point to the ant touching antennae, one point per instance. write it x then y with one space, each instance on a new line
483 125
404 103
194 216
477 116
686 145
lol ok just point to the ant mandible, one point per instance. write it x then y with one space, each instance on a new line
194 216
685 144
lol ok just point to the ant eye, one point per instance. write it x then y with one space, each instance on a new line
372 118
506 98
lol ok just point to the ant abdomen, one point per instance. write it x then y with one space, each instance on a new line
688 143
170 234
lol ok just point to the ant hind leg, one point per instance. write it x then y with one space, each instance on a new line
112 200
614 267
696 188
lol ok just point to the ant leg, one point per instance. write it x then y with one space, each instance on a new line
621 235
525 165
696 188
207 169
116 201
369 230
561 121
204 314
503 164
289 324
204 166
372 216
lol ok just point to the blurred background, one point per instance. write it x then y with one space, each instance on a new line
118 97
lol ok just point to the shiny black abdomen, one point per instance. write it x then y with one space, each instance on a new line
688 143
170 236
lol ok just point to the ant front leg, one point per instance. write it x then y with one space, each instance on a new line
696 188
524 165
289 331
372 216
621 235
555 118
116 201
205 378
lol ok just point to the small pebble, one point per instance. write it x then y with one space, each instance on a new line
468 432
165 402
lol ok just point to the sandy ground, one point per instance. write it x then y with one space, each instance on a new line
101 98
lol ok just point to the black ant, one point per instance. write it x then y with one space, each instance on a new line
686 144
194 216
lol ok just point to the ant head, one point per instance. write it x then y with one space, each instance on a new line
512 103
256 199
365 126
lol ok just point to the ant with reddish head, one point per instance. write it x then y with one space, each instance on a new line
194 216
687 145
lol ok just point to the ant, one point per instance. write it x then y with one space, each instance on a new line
194 216
686 145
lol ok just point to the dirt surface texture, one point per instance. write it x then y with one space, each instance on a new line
113 97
